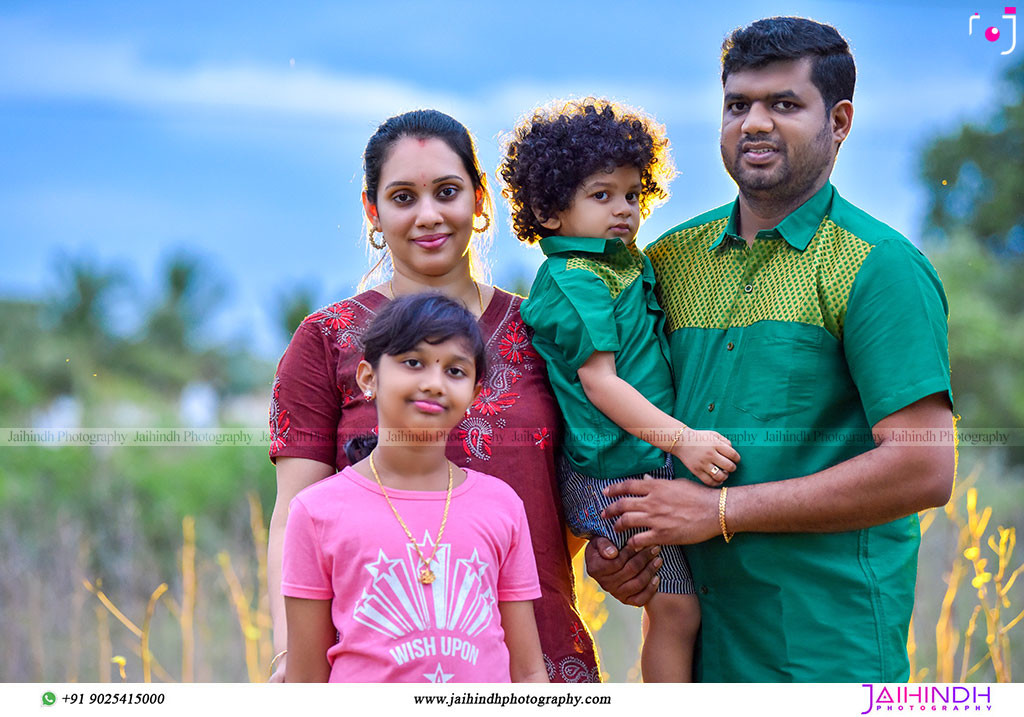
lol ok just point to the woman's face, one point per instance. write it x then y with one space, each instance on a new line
425 208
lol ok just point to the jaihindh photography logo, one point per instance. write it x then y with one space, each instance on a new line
927 698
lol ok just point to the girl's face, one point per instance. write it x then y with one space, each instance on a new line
425 208
426 389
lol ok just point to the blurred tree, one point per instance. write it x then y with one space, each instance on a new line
82 305
77 339
191 291
986 337
292 305
976 175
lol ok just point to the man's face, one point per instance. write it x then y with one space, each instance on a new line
776 137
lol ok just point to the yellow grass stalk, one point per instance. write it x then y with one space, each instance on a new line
132 627
971 625
122 618
147 658
259 538
158 670
188 599
946 636
250 633
120 662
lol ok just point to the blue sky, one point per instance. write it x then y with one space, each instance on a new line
234 130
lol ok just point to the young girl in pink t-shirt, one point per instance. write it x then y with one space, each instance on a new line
404 567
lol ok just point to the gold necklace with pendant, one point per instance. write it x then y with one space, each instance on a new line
426 574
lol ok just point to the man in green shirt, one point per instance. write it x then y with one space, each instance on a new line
815 337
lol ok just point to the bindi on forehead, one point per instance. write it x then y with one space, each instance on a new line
422 141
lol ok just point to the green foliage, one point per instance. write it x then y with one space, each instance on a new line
190 290
976 175
986 335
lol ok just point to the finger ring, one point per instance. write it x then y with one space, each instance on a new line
714 470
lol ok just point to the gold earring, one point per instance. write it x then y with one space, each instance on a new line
375 245
487 224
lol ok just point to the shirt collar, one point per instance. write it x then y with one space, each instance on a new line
798 228
591 245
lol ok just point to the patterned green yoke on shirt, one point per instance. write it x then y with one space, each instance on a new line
592 295
794 348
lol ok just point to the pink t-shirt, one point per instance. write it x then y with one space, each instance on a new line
343 543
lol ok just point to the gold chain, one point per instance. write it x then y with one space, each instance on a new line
479 294
426 574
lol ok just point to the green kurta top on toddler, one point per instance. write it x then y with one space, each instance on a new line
794 348
592 295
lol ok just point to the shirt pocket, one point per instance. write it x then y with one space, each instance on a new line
777 375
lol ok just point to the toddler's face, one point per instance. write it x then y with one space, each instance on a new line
606 205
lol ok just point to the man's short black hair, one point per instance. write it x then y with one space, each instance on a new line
792 38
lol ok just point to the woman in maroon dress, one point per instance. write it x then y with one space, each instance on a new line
425 195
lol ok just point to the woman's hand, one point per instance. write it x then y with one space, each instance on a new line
629 575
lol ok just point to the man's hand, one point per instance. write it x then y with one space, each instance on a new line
629 575
674 512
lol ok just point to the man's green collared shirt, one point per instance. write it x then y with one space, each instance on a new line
794 348
598 295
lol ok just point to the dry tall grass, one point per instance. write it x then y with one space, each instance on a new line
978 590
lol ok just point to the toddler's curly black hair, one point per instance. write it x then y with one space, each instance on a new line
551 152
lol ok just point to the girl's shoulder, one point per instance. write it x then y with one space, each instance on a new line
324 496
491 488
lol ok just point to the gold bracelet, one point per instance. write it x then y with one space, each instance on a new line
721 515
675 439
277 657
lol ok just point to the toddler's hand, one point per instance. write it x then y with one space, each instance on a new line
708 454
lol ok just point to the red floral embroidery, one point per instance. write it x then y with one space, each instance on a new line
347 395
280 424
476 434
542 437
490 402
334 317
515 344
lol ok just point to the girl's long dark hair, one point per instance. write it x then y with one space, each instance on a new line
405 322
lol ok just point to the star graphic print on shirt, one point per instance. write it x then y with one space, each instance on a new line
344 544
398 605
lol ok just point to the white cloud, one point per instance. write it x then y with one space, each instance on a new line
34 66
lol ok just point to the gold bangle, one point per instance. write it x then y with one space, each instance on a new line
675 439
277 657
721 515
